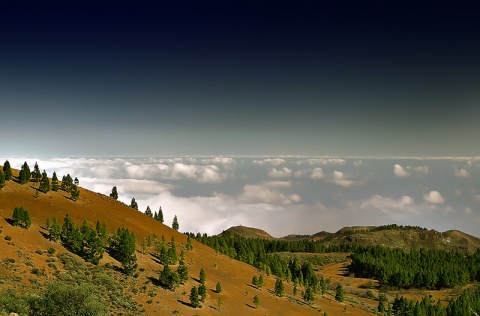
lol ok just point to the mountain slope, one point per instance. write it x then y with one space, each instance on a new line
26 250
248 232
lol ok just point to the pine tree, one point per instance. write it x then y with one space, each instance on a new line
182 272
21 217
323 285
203 276
22 177
123 246
55 230
189 245
339 293
218 288
7 170
168 278
260 281
255 281
44 183
175 224
202 291
36 173
76 182
308 296
26 170
148 212
114 194
2 179
54 182
48 224
74 192
256 301
194 298
160 215
67 183
279 289
134 204
381 303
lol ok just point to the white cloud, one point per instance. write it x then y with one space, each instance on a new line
358 163
317 173
280 173
434 197
268 192
272 161
340 179
322 161
468 210
399 171
387 205
461 173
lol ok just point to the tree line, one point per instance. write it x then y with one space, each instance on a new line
430 269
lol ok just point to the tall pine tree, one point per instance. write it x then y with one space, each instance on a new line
54 182
36 173
7 170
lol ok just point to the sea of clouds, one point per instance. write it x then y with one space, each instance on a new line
285 195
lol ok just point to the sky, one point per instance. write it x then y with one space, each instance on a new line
169 78
175 101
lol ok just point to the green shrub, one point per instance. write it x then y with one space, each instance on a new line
8 238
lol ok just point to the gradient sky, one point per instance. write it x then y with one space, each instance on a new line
166 78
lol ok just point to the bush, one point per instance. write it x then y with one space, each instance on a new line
51 251
8 238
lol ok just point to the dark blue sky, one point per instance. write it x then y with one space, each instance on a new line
390 78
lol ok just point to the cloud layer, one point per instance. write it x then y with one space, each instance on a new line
285 195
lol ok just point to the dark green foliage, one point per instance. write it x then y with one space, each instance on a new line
182 272
7 170
133 204
67 300
48 224
55 230
26 172
21 217
76 181
194 302
381 303
218 288
175 224
255 281
22 178
168 278
74 192
148 212
256 301
114 194
36 175
54 182
159 216
203 276
2 179
44 183
67 183
323 285
431 269
279 288
189 245
123 246
202 291
308 295
11 302
339 293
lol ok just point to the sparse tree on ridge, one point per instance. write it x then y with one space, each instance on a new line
21 217
175 224
7 170
134 204
54 182
256 301
218 288
203 276
44 183
36 173
182 272
27 173
148 212
74 192
76 182
160 215
114 194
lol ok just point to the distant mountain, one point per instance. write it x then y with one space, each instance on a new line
391 236
248 232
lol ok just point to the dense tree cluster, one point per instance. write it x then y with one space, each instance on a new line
168 278
467 304
431 269
21 217
166 255
123 246
85 241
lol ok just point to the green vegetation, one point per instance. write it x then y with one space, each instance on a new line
114 194
203 276
339 293
54 182
279 289
21 217
2 179
194 302
123 245
7 170
133 204
256 301
175 224
44 183
168 278
431 269
158 216
218 288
